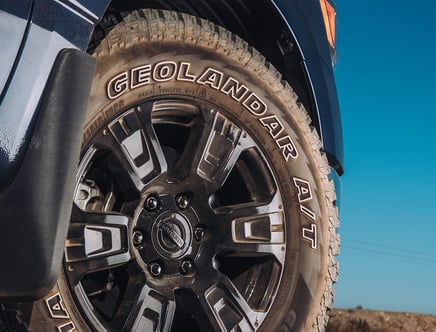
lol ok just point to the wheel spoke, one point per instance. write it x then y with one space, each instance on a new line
214 148
136 146
210 156
225 308
96 241
250 229
153 311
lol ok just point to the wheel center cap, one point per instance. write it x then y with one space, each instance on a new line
171 235
170 231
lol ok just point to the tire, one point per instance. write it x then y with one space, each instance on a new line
202 199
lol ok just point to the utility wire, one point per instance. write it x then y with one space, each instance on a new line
372 244
378 250
390 256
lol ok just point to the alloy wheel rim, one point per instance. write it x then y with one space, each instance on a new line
178 219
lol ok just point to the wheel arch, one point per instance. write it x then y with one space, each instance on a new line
298 49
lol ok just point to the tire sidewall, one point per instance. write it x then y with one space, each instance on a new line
304 273
306 267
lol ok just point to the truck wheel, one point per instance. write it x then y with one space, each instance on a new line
202 199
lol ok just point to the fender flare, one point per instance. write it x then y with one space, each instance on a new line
297 16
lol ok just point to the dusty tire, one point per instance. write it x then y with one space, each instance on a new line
212 202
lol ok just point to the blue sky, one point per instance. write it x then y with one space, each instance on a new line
386 80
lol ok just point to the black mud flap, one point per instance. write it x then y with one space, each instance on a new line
35 208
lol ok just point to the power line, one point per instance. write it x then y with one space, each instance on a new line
383 246
390 256
395 253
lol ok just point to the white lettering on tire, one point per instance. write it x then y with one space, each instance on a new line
56 307
309 234
58 311
305 195
165 71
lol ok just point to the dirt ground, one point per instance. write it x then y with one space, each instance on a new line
357 320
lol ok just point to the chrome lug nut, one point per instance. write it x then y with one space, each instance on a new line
182 202
151 203
155 269
199 233
137 238
186 266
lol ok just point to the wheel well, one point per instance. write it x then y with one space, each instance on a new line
257 22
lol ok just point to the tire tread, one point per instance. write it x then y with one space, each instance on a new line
157 25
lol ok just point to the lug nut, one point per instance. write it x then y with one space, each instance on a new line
155 269
151 203
199 233
137 238
182 202
186 267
